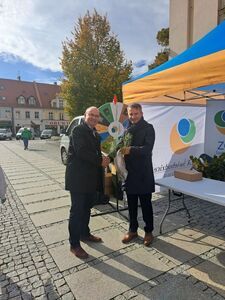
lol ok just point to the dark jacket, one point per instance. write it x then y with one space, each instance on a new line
140 179
83 170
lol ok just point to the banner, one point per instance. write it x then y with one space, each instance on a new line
179 133
215 127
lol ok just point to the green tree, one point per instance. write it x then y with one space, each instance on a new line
162 56
93 64
163 37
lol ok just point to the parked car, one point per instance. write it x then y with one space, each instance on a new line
5 133
18 135
46 134
64 143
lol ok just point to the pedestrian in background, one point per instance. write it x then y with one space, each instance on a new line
84 178
140 182
26 136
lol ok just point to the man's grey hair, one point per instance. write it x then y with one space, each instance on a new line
135 106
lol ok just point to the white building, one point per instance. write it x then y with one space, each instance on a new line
190 20
31 104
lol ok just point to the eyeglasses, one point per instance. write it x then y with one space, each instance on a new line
93 115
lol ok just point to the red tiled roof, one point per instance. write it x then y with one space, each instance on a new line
42 92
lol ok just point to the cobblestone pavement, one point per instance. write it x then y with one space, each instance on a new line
186 262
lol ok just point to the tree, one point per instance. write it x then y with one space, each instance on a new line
93 64
163 37
162 56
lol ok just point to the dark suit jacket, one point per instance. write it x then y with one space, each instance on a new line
83 170
140 179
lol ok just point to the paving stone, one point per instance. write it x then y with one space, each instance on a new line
38 292
68 296
4 283
212 273
40 195
210 292
39 183
43 297
28 179
130 294
35 190
218 297
54 233
120 297
3 297
45 276
14 293
59 232
48 204
49 217
178 288
64 289
59 282
180 246
113 277
52 296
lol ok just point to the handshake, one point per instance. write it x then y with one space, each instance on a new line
106 159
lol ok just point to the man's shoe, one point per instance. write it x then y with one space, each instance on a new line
79 252
91 238
129 237
148 238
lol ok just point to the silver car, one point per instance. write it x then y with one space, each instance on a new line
64 143
46 134
5 133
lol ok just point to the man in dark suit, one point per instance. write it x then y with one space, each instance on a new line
83 179
140 182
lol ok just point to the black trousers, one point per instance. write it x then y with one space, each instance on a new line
147 211
79 218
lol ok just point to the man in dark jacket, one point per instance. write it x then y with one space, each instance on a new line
84 179
140 180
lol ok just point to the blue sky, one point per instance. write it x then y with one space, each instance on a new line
32 32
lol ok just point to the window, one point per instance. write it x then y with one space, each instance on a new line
60 103
2 87
221 11
54 104
2 97
50 116
21 100
61 117
17 114
74 123
27 114
36 114
31 100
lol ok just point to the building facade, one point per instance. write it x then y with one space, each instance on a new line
31 104
190 20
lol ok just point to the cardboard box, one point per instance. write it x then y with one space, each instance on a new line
108 184
189 175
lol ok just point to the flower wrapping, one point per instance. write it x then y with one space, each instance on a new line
120 166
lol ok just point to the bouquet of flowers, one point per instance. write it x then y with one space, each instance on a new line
114 152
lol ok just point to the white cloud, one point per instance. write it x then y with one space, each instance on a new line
34 29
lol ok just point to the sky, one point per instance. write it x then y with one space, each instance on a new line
32 32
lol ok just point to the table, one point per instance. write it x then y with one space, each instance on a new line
205 189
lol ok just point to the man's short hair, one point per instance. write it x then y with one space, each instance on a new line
135 106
